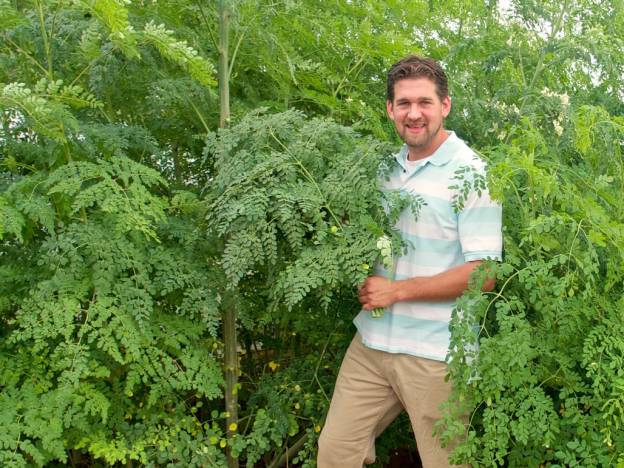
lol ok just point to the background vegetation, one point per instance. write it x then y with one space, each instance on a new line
132 228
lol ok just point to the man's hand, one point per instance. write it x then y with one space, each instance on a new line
377 291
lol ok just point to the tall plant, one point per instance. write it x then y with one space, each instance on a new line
108 307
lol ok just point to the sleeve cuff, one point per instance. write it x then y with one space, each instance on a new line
483 255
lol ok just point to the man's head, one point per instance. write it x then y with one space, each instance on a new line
414 66
418 103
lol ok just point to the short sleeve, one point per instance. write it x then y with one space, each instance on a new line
480 227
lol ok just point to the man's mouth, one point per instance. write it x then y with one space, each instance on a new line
416 126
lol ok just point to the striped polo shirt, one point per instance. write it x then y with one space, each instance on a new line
439 239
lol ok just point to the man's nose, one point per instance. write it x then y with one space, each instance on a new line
413 112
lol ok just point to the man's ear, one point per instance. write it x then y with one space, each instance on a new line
389 109
446 106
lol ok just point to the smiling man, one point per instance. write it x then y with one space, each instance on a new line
418 112
397 361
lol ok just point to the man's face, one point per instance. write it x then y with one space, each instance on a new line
418 115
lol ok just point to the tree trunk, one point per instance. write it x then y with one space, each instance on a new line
231 376
229 313
224 78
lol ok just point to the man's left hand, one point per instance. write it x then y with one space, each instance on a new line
377 291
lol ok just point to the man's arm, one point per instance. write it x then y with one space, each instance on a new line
378 291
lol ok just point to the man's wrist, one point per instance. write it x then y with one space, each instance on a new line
406 290
399 291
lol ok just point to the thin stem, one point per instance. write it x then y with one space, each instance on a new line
498 295
290 452
203 15
550 377
46 42
349 71
19 436
90 64
199 115
318 365
238 43
578 229
30 57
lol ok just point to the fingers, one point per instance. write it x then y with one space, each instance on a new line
363 298
367 294
366 298
363 289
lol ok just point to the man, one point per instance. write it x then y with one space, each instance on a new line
397 361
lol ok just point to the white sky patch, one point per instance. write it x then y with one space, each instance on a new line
506 10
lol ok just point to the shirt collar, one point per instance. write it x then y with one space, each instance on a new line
440 156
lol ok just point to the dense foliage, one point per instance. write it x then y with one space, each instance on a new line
129 225
547 380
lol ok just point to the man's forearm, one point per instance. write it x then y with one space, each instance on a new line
378 291
443 286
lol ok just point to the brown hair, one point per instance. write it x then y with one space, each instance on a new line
414 66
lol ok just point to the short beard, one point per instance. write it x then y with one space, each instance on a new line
427 141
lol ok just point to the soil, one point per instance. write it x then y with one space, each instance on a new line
404 458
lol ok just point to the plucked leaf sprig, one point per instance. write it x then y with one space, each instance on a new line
384 245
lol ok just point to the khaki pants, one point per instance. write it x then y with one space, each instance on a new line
371 390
